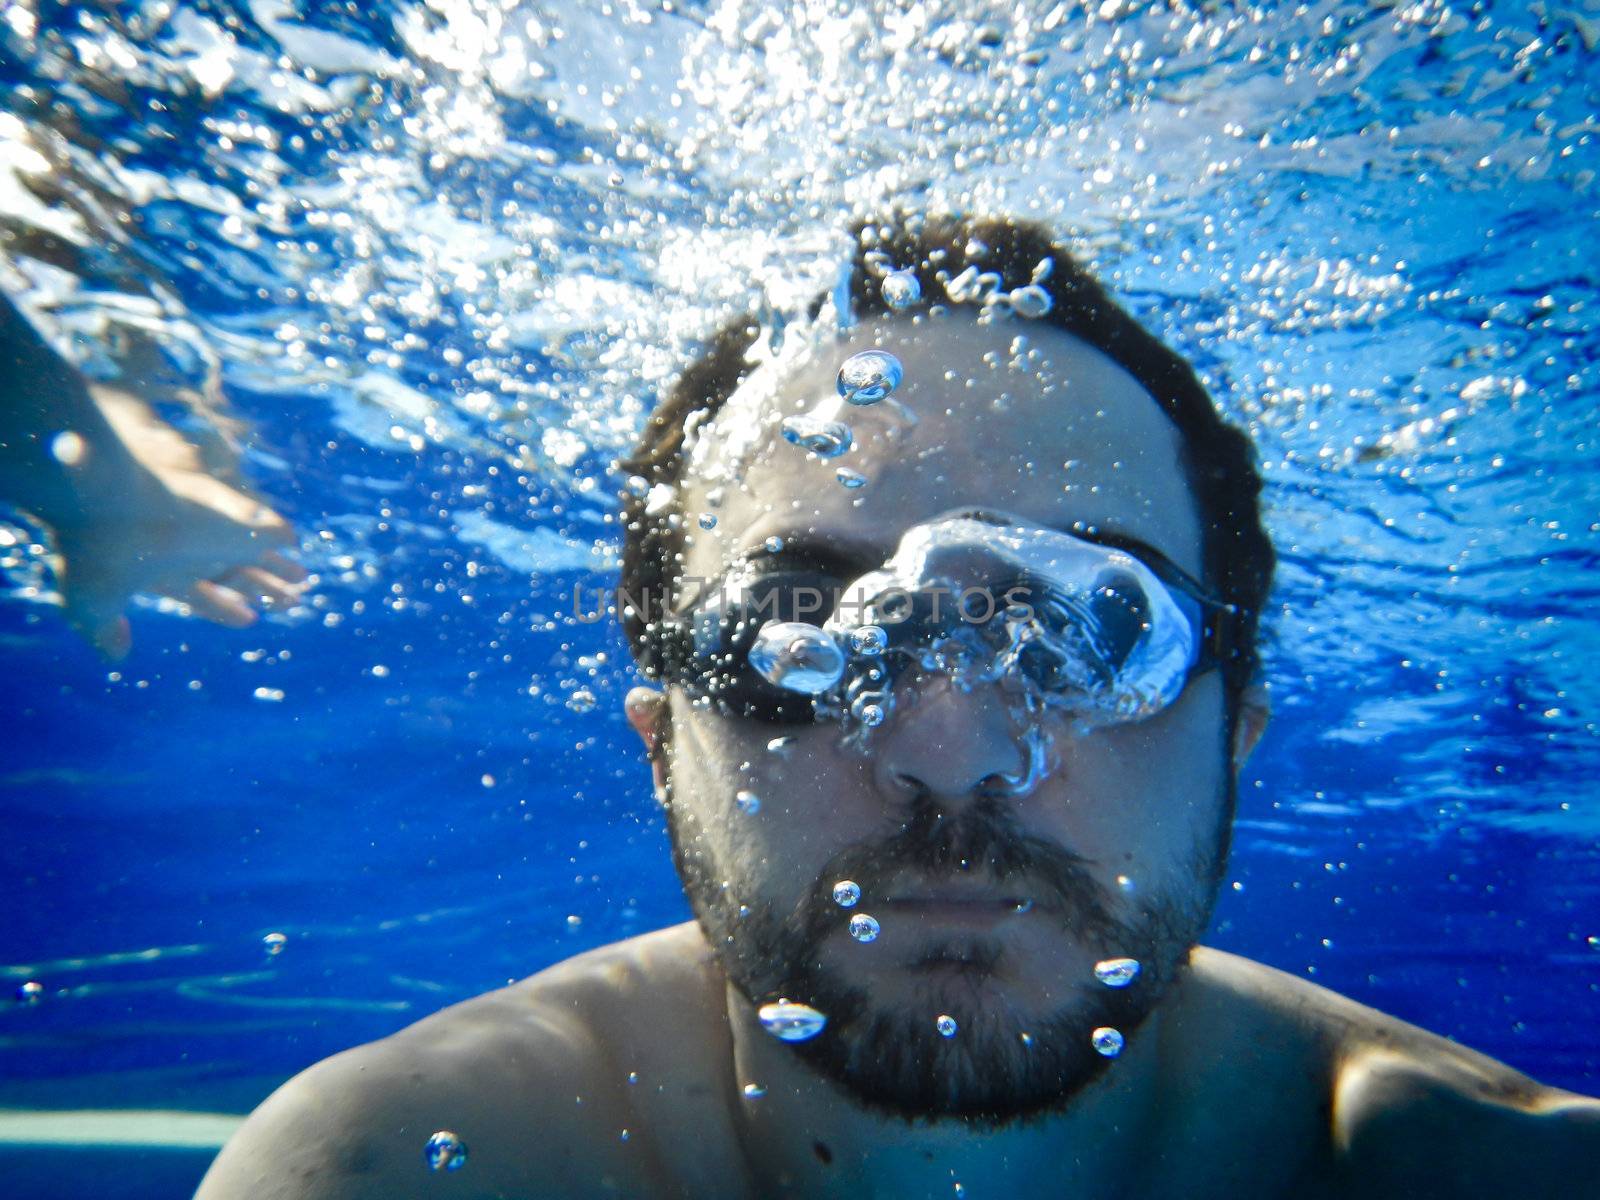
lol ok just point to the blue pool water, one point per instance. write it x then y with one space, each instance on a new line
444 255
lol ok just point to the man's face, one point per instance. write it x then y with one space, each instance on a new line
993 907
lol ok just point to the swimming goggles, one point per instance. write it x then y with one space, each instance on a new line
794 635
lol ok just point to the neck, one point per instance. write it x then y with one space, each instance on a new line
807 1137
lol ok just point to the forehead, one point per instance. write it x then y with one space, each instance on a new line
1008 414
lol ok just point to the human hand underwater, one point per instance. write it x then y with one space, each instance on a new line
133 505
154 519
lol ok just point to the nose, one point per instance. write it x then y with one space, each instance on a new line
951 745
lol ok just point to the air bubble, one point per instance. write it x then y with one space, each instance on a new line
660 499
1031 301
753 1091
1117 972
708 520
273 943
869 377
946 1025
864 928
31 992
773 545
850 478
68 448
846 893
797 657
445 1152
868 639
1106 1041
749 803
870 708
790 1022
825 439
901 290
582 701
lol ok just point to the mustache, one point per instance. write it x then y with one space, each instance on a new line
981 841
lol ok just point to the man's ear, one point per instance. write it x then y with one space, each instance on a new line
646 710
1255 709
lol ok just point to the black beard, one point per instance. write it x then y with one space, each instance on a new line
1001 1067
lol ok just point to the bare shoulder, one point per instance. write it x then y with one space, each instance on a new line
1410 1114
533 1078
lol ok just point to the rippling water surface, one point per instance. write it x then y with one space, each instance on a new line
443 255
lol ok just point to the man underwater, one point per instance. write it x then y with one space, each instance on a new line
953 618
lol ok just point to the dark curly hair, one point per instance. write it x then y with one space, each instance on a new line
1218 457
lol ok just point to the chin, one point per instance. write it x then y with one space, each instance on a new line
1021 1044
1000 1066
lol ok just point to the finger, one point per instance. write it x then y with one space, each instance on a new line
284 567
220 604
257 584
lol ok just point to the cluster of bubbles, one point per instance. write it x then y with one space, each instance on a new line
1107 638
800 657
867 697
863 380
